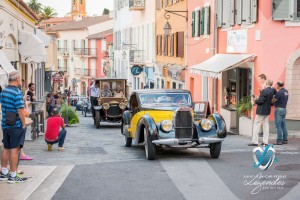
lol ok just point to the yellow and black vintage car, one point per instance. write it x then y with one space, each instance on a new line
165 118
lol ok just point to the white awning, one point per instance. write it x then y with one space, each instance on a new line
32 49
5 68
219 63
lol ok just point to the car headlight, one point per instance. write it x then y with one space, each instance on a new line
166 126
122 105
106 106
206 124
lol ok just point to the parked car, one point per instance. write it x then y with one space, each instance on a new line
112 102
81 100
165 118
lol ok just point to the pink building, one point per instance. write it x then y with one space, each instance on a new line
252 37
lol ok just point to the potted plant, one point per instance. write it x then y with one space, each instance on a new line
68 111
244 106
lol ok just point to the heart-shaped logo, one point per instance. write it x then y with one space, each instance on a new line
264 157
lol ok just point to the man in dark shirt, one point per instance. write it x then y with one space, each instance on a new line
262 113
30 93
280 100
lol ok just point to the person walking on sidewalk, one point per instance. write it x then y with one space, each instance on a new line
13 124
281 98
53 135
262 113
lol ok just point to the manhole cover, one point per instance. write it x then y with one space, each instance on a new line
91 150
290 167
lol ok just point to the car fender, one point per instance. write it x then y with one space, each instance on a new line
150 126
97 107
221 125
126 117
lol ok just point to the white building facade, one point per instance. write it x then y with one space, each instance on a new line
134 43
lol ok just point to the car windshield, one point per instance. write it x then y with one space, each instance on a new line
112 88
165 99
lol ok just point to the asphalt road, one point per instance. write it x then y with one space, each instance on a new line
102 168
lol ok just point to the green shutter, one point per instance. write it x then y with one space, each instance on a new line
199 23
202 21
207 20
253 11
193 24
281 10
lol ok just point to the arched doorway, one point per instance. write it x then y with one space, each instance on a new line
83 88
292 83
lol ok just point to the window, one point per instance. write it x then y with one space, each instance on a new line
230 12
162 84
201 21
165 41
103 45
174 85
286 10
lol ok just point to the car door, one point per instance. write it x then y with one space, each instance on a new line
135 115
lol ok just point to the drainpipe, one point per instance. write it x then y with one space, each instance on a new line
215 47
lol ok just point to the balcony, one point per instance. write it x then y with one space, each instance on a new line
136 57
136 4
85 72
63 51
86 52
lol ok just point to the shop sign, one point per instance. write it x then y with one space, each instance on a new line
57 78
136 70
237 41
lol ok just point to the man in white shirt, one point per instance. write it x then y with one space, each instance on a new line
95 94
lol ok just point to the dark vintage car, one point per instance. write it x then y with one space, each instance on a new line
112 102
165 118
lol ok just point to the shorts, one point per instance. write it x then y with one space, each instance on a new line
13 138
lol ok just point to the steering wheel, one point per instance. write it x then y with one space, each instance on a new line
106 93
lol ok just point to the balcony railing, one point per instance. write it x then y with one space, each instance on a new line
63 51
85 51
85 72
136 57
136 4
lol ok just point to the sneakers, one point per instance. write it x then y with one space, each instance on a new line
16 179
61 148
50 147
4 177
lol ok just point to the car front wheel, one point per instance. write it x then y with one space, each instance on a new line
149 147
215 149
127 140
97 119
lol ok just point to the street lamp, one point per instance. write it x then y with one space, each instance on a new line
167 28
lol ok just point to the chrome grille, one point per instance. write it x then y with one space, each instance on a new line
183 124
114 111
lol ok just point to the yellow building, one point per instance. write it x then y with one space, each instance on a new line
171 40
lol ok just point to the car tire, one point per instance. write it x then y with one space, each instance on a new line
97 119
127 140
215 149
149 147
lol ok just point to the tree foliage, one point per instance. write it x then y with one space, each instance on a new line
105 11
48 12
35 6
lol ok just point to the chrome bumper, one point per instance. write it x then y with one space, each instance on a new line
174 141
